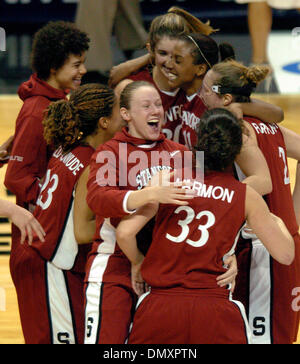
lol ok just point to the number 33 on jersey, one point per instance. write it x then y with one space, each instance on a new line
196 237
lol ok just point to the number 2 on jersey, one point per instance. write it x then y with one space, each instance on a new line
48 180
190 216
286 170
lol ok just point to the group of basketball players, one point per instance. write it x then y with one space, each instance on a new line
125 244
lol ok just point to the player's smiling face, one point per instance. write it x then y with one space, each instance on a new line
163 55
184 71
70 74
145 115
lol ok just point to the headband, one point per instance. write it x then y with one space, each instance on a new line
243 91
202 54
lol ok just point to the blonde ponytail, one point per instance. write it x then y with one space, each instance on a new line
256 73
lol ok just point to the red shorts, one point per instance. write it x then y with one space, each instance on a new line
109 311
51 300
189 317
109 299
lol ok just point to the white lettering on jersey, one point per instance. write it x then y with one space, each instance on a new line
145 175
190 119
173 113
215 192
16 158
262 128
69 160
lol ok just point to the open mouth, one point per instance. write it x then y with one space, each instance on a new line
154 124
171 76
77 81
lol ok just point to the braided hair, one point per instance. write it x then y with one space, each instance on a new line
68 122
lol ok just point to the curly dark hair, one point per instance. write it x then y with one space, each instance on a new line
220 137
53 44
68 123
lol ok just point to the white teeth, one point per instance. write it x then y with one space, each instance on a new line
172 76
155 121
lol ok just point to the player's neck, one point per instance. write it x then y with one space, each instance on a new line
192 88
96 140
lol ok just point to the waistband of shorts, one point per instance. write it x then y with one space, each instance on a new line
212 292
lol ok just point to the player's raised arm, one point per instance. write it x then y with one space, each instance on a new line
292 143
269 228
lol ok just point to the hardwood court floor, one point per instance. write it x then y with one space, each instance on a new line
10 331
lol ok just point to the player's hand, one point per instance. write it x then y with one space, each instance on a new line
138 284
118 73
172 194
164 191
162 178
27 224
5 148
228 278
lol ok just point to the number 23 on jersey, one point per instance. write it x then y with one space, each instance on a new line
46 194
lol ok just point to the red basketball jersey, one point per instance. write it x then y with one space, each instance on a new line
264 285
191 113
122 165
271 142
190 242
54 208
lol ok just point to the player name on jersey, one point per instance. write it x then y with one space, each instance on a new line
209 191
262 128
69 160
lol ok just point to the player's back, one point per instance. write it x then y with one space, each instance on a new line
271 142
190 242
263 285
55 206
